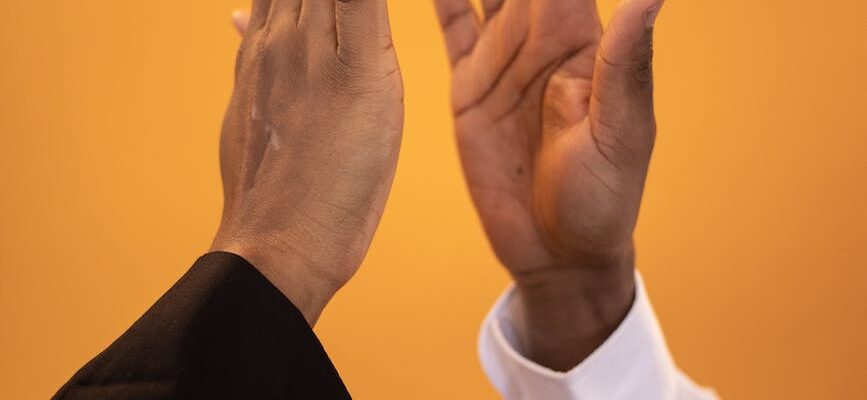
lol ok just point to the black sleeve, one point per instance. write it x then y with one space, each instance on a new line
222 332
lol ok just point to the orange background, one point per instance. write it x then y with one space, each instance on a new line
751 237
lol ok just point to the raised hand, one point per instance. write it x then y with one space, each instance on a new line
555 126
310 142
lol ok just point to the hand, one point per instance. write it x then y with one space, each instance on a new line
310 142
555 127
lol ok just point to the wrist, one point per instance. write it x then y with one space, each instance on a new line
565 312
288 273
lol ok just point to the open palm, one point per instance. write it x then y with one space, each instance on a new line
554 122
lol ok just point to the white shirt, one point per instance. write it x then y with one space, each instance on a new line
634 363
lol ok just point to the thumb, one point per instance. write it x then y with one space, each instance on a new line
621 112
240 19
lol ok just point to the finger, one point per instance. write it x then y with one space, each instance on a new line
259 14
361 25
317 17
491 7
524 44
240 19
287 11
496 53
622 107
460 26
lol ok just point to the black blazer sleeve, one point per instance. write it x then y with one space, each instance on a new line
222 332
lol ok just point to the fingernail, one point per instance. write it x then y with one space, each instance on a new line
651 14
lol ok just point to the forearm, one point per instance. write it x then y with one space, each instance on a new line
222 331
562 314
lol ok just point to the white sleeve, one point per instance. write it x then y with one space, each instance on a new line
634 363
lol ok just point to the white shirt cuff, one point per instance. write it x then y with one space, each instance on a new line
633 363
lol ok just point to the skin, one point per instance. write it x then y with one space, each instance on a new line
310 142
555 126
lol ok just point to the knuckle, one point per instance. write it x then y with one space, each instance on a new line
637 65
642 77
642 66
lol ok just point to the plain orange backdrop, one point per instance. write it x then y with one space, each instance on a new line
751 239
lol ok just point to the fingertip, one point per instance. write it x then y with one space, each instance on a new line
633 11
240 19
651 14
